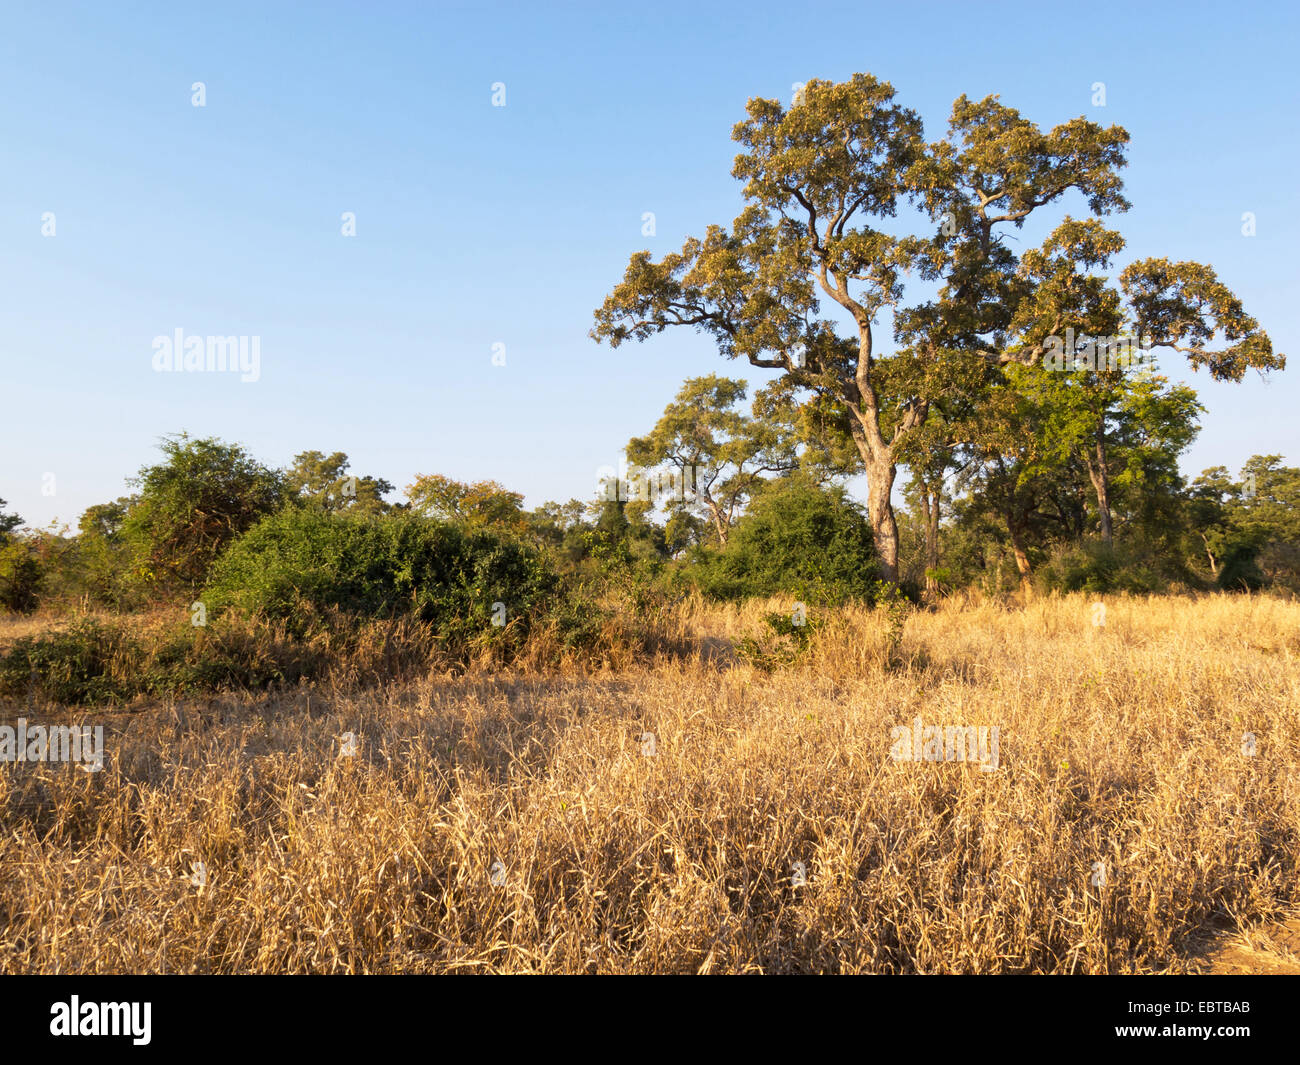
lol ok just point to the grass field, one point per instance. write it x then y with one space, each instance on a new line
524 822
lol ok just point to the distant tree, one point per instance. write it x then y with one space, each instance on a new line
8 522
931 454
102 554
1274 504
1031 451
717 453
1270 496
106 519
1236 521
560 528
563 516
21 574
322 480
478 504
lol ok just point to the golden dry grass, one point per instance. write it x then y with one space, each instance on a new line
1120 745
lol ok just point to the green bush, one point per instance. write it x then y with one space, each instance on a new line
21 576
1097 567
788 639
93 662
299 564
1240 570
73 665
796 538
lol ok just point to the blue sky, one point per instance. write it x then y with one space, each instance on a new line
479 225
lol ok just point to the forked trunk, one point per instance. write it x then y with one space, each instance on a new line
878 454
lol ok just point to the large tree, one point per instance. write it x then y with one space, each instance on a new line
824 182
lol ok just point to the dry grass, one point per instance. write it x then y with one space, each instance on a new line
1120 745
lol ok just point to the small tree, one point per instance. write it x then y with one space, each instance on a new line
21 574
103 555
8 522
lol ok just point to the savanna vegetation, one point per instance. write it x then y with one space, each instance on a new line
784 571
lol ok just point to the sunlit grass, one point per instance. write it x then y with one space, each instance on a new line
1121 750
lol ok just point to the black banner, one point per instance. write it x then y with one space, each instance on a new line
173 1015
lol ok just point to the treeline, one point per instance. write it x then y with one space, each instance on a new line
211 524
726 496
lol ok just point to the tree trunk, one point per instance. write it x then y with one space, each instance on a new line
878 460
877 456
715 512
1214 564
880 511
1022 557
1100 477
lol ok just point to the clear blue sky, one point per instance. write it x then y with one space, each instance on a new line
479 225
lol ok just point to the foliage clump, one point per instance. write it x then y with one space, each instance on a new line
796 538
299 564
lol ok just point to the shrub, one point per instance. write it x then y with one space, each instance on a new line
1097 567
298 565
788 639
95 662
1240 570
73 665
796 538
21 576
